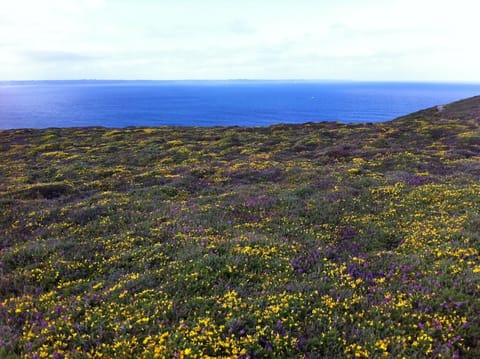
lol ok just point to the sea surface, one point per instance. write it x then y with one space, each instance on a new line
43 104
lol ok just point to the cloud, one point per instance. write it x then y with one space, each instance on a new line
213 38
241 27
56 56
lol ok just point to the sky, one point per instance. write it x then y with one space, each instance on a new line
363 40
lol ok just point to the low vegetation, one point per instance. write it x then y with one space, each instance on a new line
319 240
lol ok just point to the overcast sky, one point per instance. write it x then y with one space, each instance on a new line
414 40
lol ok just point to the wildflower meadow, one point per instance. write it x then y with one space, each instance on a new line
320 240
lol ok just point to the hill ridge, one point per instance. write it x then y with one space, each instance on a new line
464 109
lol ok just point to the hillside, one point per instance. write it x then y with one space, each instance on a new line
316 240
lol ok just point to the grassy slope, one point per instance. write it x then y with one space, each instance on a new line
323 240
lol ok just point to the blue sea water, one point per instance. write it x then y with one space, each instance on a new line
42 104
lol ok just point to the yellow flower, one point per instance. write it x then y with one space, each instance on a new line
358 161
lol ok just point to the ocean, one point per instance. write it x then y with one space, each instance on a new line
116 104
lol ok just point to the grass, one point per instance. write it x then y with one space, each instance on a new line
319 240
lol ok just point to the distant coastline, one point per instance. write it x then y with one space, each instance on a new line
232 81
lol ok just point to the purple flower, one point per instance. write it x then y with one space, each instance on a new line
266 344
58 309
